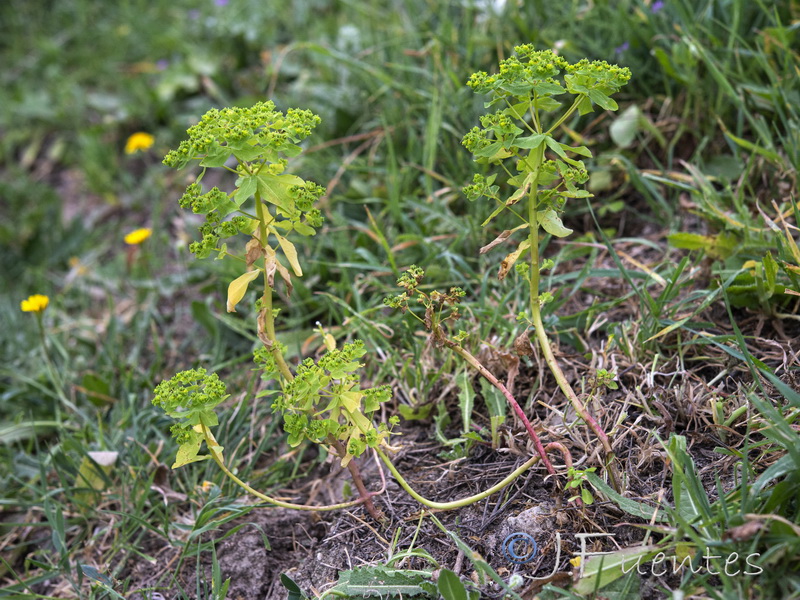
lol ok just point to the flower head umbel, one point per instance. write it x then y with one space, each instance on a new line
36 303
137 236
138 141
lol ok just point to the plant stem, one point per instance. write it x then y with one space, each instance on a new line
364 494
211 442
536 314
456 503
266 299
269 329
566 115
475 363
286 373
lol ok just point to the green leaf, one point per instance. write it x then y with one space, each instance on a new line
450 586
770 272
187 453
490 151
602 100
600 570
518 110
381 581
495 212
625 127
92 573
351 400
415 413
691 500
547 103
466 399
530 142
304 229
247 187
637 509
275 190
295 593
585 106
581 150
556 147
551 223
216 156
245 150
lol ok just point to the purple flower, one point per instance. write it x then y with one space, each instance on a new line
622 48
162 64
657 6
221 2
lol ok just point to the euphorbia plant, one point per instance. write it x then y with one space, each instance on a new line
321 401
542 173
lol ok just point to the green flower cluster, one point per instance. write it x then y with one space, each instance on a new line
216 205
191 396
526 72
324 399
440 307
245 133
265 358
538 74
409 281
481 186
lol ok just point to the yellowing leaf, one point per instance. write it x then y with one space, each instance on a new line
509 260
351 400
237 289
290 252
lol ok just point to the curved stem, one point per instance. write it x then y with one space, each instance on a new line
456 503
467 356
217 458
563 450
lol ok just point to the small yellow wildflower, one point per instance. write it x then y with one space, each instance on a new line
138 236
575 562
36 303
138 141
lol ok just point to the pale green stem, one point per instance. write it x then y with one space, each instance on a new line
286 373
211 442
456 503
536 314
566 115
266 299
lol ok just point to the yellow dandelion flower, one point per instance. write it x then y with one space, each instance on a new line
138 236
575 562
36 303
139 141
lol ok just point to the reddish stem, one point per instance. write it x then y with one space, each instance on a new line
511 400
